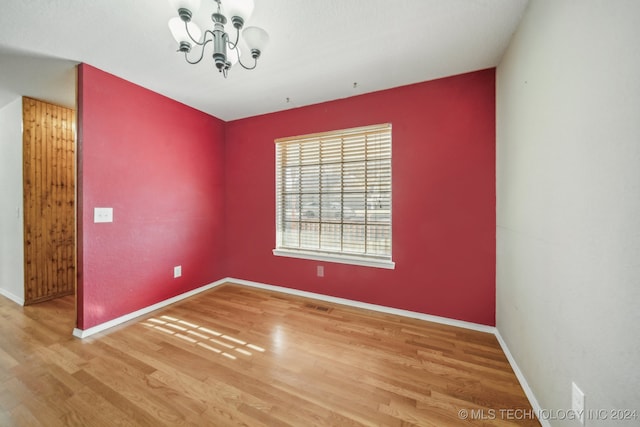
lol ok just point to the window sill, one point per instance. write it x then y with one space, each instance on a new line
342 259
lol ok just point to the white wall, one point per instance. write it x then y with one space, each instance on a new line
11 221
568 203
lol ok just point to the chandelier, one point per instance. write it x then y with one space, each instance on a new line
226 47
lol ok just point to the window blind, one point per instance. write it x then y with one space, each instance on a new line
333 192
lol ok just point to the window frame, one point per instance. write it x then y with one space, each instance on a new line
321 254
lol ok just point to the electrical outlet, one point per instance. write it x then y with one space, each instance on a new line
177 271
577 402
320 271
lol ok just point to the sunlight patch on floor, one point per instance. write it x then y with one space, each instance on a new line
201 336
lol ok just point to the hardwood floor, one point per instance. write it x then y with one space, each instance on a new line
238 356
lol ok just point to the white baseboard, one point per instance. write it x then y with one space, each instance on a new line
367 306
523 381
79 333
12 296
84 333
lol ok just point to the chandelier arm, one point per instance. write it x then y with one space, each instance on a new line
186 57
204 38
234 45
255 63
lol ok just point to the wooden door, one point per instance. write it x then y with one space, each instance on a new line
49 200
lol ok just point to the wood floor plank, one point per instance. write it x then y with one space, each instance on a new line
239 356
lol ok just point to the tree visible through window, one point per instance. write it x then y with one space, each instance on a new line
333 195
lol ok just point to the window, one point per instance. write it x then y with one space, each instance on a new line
333 196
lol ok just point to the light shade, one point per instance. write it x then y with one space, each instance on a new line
192 5
179 32
256 38
240 8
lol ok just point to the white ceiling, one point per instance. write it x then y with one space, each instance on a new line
318 49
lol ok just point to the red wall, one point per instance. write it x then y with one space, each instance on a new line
185 193
443 198
160 165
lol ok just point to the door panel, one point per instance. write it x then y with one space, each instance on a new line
49 200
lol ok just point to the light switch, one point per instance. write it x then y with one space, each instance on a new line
102 215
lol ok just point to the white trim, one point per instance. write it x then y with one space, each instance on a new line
523 381
339 258
374 307
84 333
12 296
